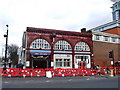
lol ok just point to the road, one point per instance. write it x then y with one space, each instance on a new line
61 82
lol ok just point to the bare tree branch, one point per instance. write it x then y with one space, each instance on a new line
12 53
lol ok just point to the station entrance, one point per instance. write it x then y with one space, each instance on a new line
82 61
40 61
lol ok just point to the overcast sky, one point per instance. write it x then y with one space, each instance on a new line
69 15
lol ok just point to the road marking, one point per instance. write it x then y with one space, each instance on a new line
27 82
70 80
5 82
47 81
88 79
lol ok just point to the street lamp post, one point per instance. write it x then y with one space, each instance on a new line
2 53
6 45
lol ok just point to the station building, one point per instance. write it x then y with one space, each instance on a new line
49 48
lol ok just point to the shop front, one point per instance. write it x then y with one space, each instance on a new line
62 61
48 48
82 61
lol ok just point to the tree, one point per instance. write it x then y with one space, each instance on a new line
12 53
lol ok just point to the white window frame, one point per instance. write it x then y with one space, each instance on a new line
97 37
114 39
106 38
62 45
62 57
82 46
40 44
88 61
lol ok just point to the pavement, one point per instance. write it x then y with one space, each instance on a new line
62 82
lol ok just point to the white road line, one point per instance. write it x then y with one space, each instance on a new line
5 82
88 79
47 81
70 80
27 82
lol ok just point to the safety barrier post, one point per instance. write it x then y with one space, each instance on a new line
112 73
48 74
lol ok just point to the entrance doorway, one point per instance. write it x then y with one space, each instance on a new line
40 61
82 61
40 64
81 64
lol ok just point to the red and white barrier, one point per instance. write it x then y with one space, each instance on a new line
17 72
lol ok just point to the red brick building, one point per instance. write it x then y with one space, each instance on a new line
103 43
46 48
115 30
105 39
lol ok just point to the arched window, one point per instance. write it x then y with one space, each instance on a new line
82 46
40 44
62 44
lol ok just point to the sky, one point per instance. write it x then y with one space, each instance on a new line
70 15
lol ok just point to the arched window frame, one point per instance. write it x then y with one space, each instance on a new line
40 44
62 45
82 46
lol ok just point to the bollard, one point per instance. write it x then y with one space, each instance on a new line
115 71
111 73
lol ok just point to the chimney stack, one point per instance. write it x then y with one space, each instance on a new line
83 30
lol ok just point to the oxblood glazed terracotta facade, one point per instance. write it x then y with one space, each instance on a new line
56 56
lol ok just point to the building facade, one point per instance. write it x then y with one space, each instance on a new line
103 43
48 48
